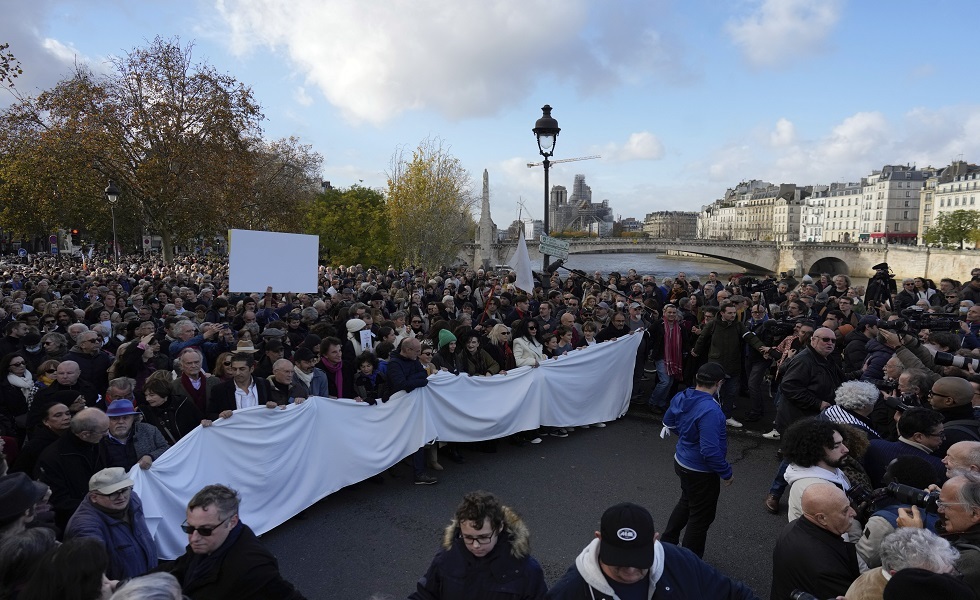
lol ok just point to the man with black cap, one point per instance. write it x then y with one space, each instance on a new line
699 461
18 496
626 560
113 514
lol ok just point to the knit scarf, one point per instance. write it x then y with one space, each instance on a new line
25 383
306 379
337 370
672 349
200 397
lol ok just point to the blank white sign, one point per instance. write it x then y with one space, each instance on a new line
286 261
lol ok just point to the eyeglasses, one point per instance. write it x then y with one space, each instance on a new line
940 435
952 296
945 505
427 352
824 339
204 530
52 322
478 539
932 394
49 371
227 364
116 493
18 364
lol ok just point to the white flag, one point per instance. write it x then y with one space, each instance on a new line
521 263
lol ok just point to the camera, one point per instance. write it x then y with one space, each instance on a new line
885 385
907 494
902 403
918 319
881 286
945 359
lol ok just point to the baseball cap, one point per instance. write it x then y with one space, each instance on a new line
627 536
18 492
109 480
711 372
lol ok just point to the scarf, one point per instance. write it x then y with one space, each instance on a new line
672 349
200 397
337 370
306 379
25 383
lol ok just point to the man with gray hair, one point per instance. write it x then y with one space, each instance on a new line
907 548
959 521
224 558
962 457
93 362
155 586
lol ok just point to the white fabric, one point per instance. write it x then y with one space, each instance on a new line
284 460
521 263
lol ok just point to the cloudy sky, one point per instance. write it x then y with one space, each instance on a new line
682 98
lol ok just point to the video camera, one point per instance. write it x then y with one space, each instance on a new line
881 286
914 320
767 287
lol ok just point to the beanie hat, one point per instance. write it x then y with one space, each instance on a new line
355 325
445 337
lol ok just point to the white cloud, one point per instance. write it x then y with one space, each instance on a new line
642 145
784 134
303 98
779 32
461 59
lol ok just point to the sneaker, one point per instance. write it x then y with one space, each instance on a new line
772 504
559 433
535 440
731 422
425 479
600 425
772 435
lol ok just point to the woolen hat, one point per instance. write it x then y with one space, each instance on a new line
18 492
109 480
627 536
121 408
355 325
445 337
915 584
303 353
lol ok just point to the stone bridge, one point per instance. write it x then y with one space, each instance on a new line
762 257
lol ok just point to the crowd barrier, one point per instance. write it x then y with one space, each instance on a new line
284 460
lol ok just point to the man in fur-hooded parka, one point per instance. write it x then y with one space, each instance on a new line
486 555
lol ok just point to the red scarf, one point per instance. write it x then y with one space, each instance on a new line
672 349
337 370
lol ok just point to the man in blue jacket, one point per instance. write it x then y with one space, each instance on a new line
699 460
113 514
625 560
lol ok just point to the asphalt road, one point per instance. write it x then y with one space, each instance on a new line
375 540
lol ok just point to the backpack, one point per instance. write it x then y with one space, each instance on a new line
970 427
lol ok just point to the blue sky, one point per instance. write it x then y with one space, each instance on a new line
683 99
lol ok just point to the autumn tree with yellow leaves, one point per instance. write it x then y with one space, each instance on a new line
430 202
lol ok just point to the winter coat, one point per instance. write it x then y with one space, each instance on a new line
245 571
855 350
508 572
810 558
145 439
175 418
721 342
675 573
130 546
808 380
94 367
878 355
66 467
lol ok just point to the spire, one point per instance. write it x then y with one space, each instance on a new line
484 233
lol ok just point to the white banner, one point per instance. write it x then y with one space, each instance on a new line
282 461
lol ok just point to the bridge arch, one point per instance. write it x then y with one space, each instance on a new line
830 264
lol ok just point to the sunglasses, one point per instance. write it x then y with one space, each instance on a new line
204 530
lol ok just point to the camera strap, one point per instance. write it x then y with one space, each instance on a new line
970 427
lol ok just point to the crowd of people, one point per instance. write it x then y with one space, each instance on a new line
106 367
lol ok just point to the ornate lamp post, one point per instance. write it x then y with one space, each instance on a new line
546 130
112 196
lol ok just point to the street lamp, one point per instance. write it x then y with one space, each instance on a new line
112 196
546 130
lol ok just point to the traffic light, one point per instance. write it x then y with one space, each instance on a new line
76 237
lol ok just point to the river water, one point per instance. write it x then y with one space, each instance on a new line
658 265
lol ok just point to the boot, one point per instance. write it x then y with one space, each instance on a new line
432 457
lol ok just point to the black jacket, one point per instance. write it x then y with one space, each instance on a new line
175 418
808 380
404 374
812 559
246 571
223 396
855 350
66 467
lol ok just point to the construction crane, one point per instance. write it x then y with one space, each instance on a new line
563 160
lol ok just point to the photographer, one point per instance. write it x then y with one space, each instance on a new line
856 342
970 327
758 363
885 509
